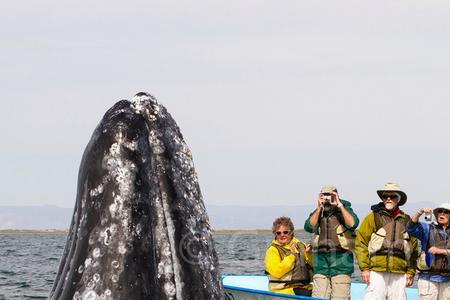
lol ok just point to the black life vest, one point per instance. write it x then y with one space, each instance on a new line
332 236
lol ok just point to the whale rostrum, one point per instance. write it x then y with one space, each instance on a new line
139 228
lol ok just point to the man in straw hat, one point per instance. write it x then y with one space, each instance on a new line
434 261
333 223
385 252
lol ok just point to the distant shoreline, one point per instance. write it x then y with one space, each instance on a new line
221 231
31 231
250 231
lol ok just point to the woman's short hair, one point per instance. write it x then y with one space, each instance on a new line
285 221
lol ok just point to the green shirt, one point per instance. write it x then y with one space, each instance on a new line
333 263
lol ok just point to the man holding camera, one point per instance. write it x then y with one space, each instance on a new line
333 223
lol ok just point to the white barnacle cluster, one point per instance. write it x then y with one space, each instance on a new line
96 253
130 145
183 156
108 234
124 176
170 290
116 207
92 295
157 145
147 105
91 268
112 233
122 248
138 230
94 287
80 269
115 149
116 270
123 172
186 163
165 265
87 262
96 191
184 169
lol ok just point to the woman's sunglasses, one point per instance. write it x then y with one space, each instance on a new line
282 232
443 211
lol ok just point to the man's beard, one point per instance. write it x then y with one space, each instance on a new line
389 206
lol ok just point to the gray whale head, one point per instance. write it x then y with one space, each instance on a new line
139 228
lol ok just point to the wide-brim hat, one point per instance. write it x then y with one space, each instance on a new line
393 187
445 206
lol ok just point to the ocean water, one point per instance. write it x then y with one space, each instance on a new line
29 262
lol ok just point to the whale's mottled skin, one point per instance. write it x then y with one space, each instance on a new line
139 229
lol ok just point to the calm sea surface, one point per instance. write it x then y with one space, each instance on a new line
28 263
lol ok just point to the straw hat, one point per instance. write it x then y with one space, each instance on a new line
393 187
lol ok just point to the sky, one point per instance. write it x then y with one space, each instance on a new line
274 98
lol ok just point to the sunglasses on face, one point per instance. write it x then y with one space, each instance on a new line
390 196
443 211
282 232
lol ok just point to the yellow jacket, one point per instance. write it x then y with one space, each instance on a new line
278 267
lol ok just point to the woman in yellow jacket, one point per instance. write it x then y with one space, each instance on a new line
288 261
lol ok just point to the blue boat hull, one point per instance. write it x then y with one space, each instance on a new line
254 287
